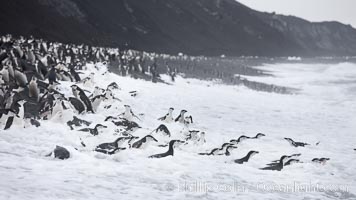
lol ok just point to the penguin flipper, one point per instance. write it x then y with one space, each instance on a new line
9 122
177 119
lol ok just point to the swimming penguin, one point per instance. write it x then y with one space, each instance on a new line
293 156
110 152
96 100
162 129
246 158
60 153
228 149
142 143
112 146
180 117
217 151
168 117
133 93
259 135
33 89
320 160
170 152
278 166
291 161
128 114
79 93
126 124
240 139
296 144
94 131
77 122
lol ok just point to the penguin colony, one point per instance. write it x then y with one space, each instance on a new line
31 71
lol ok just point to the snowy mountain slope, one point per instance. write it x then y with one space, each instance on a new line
323 111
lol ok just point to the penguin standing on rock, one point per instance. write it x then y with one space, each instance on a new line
96 101
33 89
180 117
128 114
201 140
168 117
52 76
77 104
97 91
79 93
16 118
20 78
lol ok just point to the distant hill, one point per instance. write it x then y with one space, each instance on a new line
195 27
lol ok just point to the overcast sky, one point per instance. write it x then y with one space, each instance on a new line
313 10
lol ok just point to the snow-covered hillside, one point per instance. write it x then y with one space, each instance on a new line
323 112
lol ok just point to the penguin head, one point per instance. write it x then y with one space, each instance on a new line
171 109
292 161
99 126
151 138
252 153
225 145
289 140
202 135
175 143
283 159
259 135
183 111
230 147
34 79
242 138
74 87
